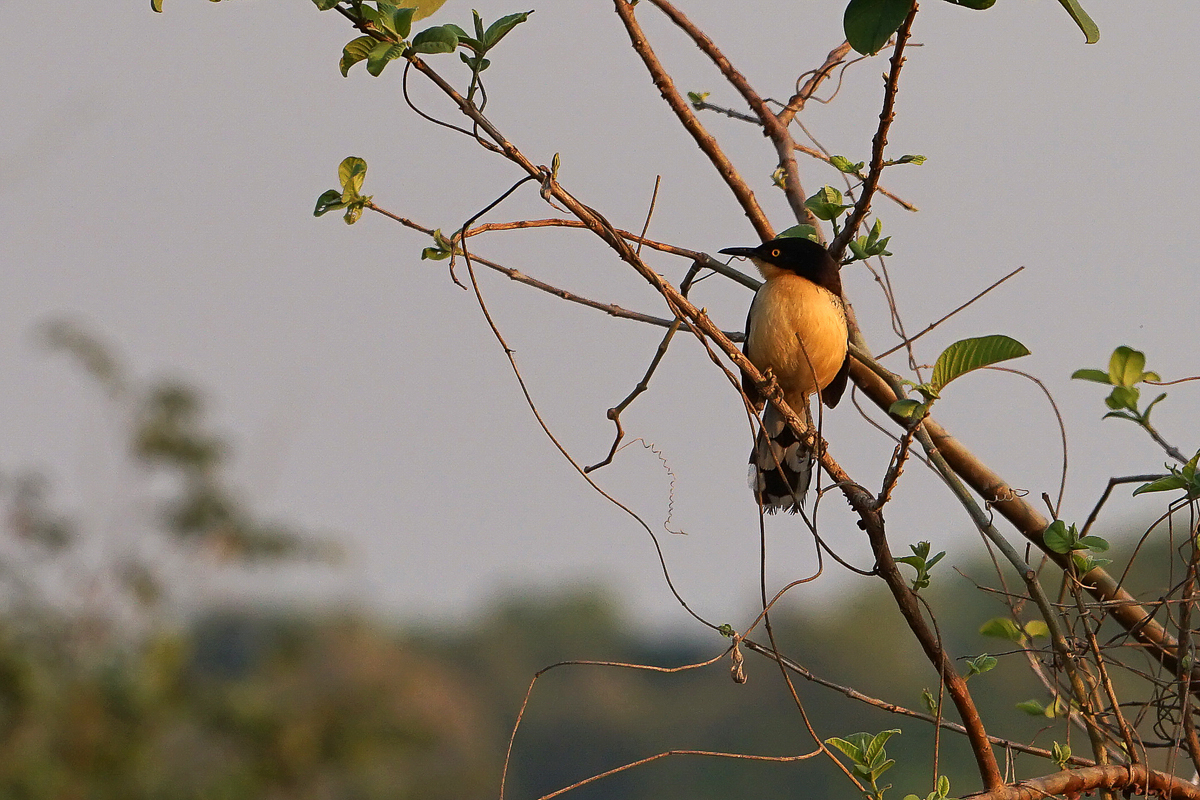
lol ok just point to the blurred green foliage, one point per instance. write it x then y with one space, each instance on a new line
251 704
242 704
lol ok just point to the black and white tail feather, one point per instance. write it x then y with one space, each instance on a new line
780 465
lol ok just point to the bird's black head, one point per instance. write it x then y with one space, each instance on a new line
795 254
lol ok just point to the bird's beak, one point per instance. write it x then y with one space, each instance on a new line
745 252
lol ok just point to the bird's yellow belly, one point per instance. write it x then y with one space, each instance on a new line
799 333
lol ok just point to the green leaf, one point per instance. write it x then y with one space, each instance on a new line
826 204
325 5
328 201
875 748
1093 375
351 173
353 212
356 51
370 15
425 7
1085 563
971 354
381 54
844 164
1189 469
500 28
1035 709
156 5
1002 628
1126 366
981 664
476 63
438 39
800 232
929 700
466 40
870 23
1059 538
908 409
696 98
978 5
1123 397
1090 30
384 17
877 771
1096 544
1153 403
1167 483
1036 629
397 20
911 160
853 751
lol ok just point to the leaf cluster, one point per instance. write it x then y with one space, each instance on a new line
922 562
867 757
388 28
1184 477
352 172
1126 369
1062 538
940 792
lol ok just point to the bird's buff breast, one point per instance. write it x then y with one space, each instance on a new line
792 311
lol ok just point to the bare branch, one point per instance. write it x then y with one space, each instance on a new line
1072 783
775 129
886 115
933 325
795 105
666 87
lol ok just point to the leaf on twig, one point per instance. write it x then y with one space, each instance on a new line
870 23
970 354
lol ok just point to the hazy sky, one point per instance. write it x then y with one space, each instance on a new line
157 178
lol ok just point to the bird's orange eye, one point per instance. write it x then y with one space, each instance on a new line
775 253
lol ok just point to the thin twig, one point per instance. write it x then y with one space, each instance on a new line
708 145
776 130
817 154
614 413
893 708
611 309
1062 431
886 115
933 325
803 94
511 355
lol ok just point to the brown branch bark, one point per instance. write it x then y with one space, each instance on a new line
776 130
666 87
1072 783
796 104
886 115
1122 606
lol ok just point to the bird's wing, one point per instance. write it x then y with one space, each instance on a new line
832 393
748 387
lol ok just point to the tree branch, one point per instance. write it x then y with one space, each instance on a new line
886 115
775 129
666 87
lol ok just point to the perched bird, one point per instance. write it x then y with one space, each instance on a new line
796 329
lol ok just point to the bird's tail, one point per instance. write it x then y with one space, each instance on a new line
780 465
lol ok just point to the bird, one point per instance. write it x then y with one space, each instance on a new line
797 330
